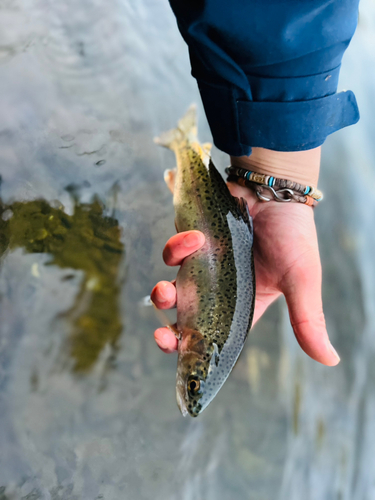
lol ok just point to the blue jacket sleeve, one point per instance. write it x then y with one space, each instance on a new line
268 70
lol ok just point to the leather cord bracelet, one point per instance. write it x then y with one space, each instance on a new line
269 188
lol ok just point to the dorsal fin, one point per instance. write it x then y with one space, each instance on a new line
241 204
243 211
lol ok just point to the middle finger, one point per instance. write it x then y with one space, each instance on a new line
164 295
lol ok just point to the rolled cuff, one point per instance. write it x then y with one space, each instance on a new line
238 125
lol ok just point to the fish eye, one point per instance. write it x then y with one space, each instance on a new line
193 385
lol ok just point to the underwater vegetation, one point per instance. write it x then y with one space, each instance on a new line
87 241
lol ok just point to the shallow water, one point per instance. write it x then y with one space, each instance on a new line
87 401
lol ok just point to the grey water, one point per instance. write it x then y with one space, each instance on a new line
87 401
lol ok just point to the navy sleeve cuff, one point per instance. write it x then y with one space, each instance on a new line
237 125
268 71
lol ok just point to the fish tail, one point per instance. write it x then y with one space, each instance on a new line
186 130
188 123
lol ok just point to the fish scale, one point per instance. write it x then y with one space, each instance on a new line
216 284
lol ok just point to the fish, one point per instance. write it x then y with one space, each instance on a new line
216 284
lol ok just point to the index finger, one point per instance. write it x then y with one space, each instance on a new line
181 245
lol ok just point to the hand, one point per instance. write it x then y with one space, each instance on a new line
287 262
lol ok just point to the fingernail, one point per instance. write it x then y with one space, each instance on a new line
166 340
333 350
192 239
162 296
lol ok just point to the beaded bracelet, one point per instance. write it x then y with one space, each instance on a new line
280 189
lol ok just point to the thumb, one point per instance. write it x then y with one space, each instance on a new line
302 289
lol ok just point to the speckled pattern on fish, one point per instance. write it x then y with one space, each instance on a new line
216 284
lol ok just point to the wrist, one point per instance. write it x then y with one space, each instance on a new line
299 166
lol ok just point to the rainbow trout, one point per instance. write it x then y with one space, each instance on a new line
216 284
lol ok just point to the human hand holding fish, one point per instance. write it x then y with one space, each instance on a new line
225 237
287 261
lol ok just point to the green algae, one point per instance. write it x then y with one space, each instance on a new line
87 241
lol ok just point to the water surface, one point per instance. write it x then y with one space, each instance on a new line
87 401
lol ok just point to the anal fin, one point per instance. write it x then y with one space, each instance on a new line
169 177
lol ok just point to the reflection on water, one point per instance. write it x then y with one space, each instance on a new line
86 241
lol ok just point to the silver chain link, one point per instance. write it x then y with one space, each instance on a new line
275 194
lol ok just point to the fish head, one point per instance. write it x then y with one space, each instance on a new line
190 383
201 372
199 376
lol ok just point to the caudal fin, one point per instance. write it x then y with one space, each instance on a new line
188 123
186 129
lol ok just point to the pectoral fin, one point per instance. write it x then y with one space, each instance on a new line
164 320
